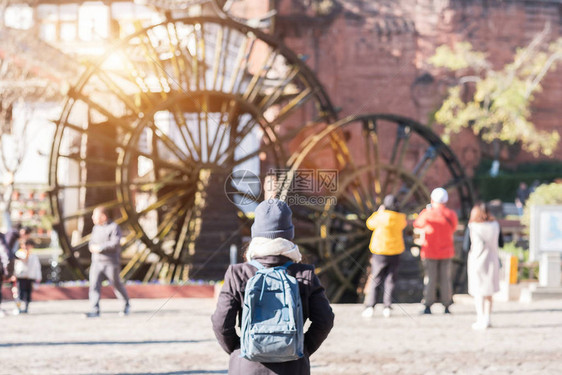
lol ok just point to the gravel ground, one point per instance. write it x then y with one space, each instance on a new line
175 337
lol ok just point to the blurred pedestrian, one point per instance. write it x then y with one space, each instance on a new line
105 246
438 224
27 269
272 246
4 262
534 186
387 243
16 237
483 262
521 197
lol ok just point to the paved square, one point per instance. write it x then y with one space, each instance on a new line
175 337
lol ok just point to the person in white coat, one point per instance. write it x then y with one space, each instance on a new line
27 269
483 263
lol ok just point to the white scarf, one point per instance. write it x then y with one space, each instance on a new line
261 246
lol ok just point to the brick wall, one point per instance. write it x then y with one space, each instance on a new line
371 56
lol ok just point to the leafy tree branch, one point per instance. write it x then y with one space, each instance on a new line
496 104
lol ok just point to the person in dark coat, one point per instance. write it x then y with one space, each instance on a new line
16 237
4 261
271 245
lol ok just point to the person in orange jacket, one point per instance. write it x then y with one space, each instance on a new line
438 224
387 243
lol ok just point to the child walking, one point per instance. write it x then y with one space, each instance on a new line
26 270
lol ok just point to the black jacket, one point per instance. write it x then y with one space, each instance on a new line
316 307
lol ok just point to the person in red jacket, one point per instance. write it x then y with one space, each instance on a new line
438 223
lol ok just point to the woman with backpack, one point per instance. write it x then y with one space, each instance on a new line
273 249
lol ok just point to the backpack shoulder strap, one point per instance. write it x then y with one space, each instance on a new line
285 266
256 264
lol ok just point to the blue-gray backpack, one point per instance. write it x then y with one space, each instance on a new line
272 320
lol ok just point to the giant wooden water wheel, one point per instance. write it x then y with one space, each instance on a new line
369 156
150 129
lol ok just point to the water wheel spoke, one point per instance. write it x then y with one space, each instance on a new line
135 75
151 271
157 270
77 158
331 262
293 104
183 236
115 121
330 237
225 59
367 201
92 184
171 267
219 36
227 112
249 155
397 156
206 127
420 170
159 162
114 87
188 59
173 39
154 62
203 53
373 157
168 198
259 79
245 130
163 271
181 125
135 262
349 283
353 197
410 193
100 137
229 153
155 186
171 218
350 219
455 183
271 98
82 241
130 239
240 63
171 145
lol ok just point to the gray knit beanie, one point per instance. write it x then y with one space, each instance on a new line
391 203
273 219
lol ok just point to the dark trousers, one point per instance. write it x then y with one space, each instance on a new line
438 274
100 272
383 272
1 281
25 288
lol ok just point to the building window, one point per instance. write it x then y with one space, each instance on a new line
19 17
